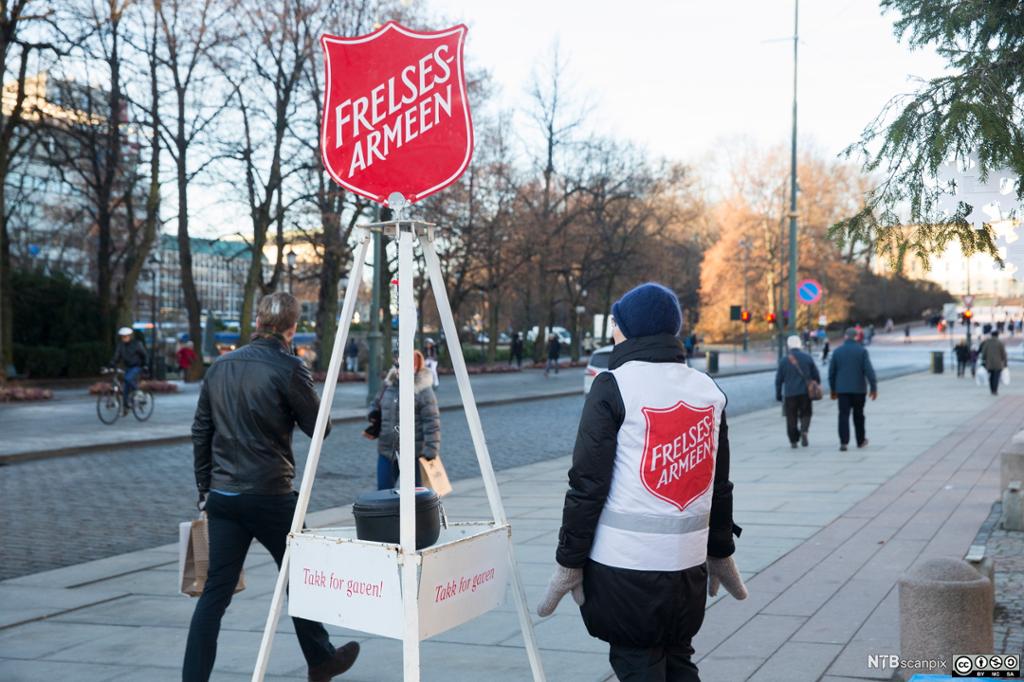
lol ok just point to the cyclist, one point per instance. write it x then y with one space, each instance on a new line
132 354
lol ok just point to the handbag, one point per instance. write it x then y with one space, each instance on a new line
814 390
194 557
434 476
374 416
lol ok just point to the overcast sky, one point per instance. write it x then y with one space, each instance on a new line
679 76
682 77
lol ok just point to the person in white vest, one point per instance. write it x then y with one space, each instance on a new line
647 529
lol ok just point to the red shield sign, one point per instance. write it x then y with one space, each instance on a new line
396 117
678 462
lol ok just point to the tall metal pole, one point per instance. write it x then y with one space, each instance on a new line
373 338
792 182
152 309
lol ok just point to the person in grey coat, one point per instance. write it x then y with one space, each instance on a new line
384 424
795 370
850 375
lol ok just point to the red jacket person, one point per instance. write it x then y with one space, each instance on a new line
648 515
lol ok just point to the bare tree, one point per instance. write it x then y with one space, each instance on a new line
25 28
190 34
556 120
266 69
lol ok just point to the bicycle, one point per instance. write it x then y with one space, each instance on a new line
111 404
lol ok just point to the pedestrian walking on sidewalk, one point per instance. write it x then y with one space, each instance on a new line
906 334
963 356
850 374
993 359
352 355
825 349
430 360
249 404
384 423
647 528
792 389
554 350
515 350
185 356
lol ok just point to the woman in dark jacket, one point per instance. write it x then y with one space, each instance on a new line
384 422
647 522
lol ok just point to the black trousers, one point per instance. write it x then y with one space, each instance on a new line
234 522
660 664
961 367
993 380
798 416
851 402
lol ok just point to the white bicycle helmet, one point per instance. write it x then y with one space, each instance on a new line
125 331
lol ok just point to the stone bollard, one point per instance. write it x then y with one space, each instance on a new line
1012 462
945 609
1013 507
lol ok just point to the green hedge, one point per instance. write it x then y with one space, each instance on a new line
475 355
39 362
51 310
85 359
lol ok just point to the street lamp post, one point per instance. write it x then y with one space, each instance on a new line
292 258
793 183
154 273
373 340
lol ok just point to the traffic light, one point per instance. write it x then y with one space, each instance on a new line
966 316
745 316
770 318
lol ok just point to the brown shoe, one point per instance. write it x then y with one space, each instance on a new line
341 661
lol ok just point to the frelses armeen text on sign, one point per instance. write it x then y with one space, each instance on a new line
396 116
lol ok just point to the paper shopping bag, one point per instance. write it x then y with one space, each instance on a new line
434 476
1004 376
194 557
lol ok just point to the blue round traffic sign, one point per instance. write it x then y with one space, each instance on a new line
809 291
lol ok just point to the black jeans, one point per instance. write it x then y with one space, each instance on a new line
961 367
798 409
993 380
234 522
660 664
851 402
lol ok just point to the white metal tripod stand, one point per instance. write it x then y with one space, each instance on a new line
416 616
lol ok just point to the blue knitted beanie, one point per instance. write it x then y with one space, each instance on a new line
647 310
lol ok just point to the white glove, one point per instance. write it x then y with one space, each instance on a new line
564 580
724 572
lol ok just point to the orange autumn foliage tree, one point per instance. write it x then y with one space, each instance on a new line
754 210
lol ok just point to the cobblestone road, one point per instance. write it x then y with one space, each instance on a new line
67 510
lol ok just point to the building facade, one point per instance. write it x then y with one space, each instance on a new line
219 266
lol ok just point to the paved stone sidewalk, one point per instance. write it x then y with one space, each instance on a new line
826 534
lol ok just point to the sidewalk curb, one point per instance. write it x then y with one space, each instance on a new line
18 457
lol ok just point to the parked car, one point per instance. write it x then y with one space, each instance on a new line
598 363
564 337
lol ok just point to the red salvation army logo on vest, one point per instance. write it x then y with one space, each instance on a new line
678 462
396 117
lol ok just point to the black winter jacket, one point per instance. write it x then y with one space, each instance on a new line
623 606
249 404
132 354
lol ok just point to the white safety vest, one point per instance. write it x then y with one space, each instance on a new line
657 512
